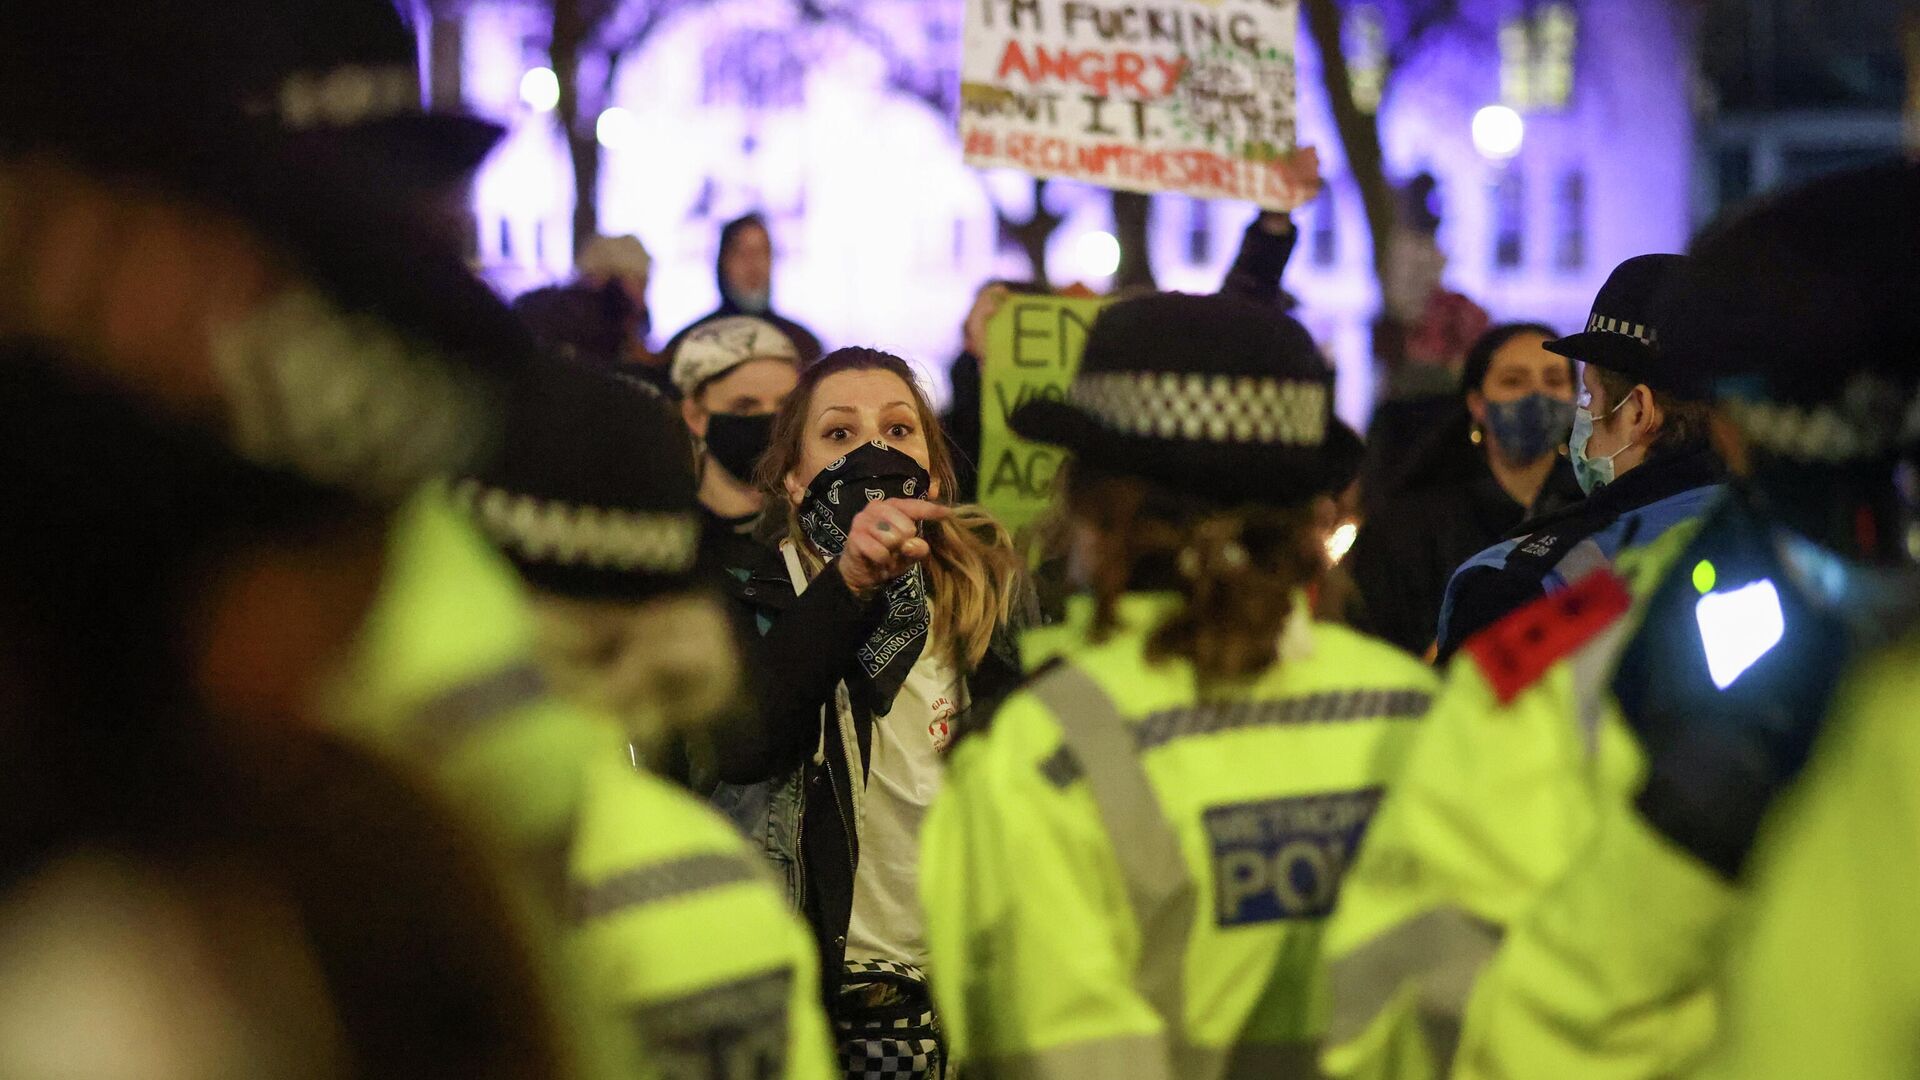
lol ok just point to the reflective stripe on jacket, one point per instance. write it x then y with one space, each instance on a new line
674 952
1120 880
1498 798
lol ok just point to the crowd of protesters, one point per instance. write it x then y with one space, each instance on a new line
396 681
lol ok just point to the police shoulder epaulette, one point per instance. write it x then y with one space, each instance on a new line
1516 651
974 721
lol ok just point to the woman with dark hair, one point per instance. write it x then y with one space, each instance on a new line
1500 457
887 613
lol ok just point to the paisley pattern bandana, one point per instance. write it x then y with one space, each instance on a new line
869 474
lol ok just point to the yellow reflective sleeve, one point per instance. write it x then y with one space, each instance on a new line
684 936
1608 977
1032 939
1477 823
1825 974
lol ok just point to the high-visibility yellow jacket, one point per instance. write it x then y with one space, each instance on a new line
1623 969
675 954
1121 880
1824 976
1523 753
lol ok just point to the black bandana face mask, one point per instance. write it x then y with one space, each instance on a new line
738 442
869 474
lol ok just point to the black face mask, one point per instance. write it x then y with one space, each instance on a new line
871 473
738 442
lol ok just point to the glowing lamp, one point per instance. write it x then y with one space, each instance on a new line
1739 627
540 89
1097 254
617 128
1498 132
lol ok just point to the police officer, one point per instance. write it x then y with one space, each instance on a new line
1787 627
1617 748
1639 451
1128 873
233 210
676 930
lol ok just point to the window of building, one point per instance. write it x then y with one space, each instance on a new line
1199 232
1509 221
1323 239
1570 232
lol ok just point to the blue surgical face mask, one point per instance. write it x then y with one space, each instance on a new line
1592 473
751 301
1529 428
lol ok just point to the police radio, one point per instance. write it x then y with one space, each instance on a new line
1726 684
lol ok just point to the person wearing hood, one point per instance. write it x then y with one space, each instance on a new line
745 274
1639 449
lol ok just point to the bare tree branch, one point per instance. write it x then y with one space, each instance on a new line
1429 18
1359 132
904 77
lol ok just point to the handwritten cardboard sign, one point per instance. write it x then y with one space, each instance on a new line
1195 96
1033 349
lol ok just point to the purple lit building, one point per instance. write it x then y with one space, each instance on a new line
840 133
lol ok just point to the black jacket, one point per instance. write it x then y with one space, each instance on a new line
1486 594
804 648
1408 550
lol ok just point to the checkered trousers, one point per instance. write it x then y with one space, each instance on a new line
885 1024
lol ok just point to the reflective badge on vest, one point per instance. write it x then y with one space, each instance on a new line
1284 858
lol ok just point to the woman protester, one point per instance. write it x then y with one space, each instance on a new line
1500 458
1128 873
887 614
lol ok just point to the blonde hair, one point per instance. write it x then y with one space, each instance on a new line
1237 571
666 667
975 577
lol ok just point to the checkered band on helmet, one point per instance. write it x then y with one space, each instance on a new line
545 531
345 399
1644 334
1241 409
1860 426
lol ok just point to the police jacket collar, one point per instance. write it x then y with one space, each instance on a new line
1138 613
1658 478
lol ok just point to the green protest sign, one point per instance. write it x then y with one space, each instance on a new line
1033 349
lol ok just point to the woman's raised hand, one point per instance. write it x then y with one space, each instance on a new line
885 542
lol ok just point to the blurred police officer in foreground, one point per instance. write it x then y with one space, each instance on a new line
1128 873
1626 741
677 921
240 213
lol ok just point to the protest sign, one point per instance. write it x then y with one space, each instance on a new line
1033 349
1195 96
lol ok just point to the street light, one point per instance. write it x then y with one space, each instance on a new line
1498 132
540 89
617 128
1098 254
